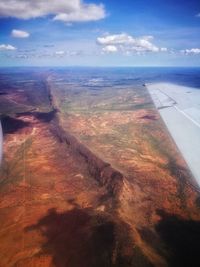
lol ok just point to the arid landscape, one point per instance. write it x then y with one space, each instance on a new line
90 176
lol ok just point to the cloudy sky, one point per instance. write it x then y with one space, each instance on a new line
99 33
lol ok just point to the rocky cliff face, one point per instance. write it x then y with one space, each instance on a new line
102 171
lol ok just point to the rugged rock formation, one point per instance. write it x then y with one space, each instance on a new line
100 170
66 205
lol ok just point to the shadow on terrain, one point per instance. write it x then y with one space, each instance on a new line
82 237
42 116
11 125
45 116
149 117
184 178
3 93
181 238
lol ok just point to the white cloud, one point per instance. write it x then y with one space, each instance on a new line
75 53
110 49
163 49
19 34
192 51
129 44
147 37
33 53
60 53
72 53
63 10
198 15
7 47
89 12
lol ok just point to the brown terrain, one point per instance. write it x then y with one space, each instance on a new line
91 178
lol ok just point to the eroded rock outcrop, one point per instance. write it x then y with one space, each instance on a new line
102 171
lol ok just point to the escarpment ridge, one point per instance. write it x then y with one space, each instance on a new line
91 179
102 171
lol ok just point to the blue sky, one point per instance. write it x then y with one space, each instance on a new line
100 33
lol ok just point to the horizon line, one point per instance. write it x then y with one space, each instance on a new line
93 66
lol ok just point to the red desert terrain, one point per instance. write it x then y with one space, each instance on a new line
91 179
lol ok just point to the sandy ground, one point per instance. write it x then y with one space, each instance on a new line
179 107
